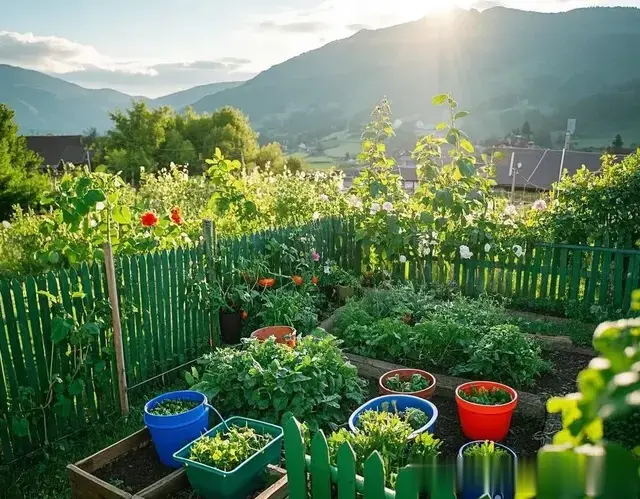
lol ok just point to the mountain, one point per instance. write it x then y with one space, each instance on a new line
501 64
184 98
44 104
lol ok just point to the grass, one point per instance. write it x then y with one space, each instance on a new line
43 476
580 333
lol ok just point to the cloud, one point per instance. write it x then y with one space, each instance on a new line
294 26
84 65
358 27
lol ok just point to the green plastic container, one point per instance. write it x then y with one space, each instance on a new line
213 483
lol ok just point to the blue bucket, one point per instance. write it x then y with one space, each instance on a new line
478 476
171 433
402 402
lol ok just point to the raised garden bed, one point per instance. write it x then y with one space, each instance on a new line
130 469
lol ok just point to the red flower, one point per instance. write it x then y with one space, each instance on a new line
315 280
176 216
149 219
298 280
244 315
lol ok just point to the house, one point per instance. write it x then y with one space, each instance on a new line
57 150
540 168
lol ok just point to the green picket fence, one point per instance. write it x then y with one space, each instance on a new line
558 473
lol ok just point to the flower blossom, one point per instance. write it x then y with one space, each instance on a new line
316 216
517 249
149 219
93 224
6 224
510 210
387 206
465 252
540 205
487 248
315 255
324 197
176 216
100 206
327 270
403 259
354 202
375 208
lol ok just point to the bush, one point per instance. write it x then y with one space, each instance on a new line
350 314
387 339
263 380
504 355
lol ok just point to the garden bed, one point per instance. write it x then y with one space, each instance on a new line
130 469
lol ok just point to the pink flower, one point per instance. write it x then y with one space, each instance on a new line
315 255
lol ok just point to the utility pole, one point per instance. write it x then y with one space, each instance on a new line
512 174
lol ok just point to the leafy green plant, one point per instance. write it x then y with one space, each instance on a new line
288 307
485 449
172 407
484 396
504 354
264 379
415 384
227 450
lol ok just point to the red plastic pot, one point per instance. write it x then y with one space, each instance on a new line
405 375
485 422
283 334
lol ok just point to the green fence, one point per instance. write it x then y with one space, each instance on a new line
558 472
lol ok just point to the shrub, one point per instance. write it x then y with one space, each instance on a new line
350 314
394 302
504 355
387 339
264 379
440 343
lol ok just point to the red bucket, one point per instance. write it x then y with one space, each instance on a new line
283 334
485 422
405 375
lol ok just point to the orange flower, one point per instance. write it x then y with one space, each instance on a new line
315 280
149 219
176 218
244 314
297 280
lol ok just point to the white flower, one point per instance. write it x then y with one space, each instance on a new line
316 215
324 197
387 206
403 259
465 252
487 248
99 206
517 249
354 202
327 270
510 210
540 205
6 224
375 208
469 219
93 224
147 234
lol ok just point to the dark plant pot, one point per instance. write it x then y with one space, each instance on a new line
231 327
345 292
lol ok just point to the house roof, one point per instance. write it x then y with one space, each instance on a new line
541 167
56 148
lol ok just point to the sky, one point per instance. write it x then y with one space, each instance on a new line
153 48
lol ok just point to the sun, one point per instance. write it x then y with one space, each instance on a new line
418 8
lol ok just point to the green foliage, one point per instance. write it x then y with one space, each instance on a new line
270 157
264 379
483 396
20 183
485 449
415 384
504 354
227 450
173 407
288 307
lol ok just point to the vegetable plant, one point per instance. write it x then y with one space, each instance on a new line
173 407
484 449
415 417
415 384
227 450
263 380
484 396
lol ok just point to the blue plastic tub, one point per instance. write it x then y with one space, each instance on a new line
170 433
402 402
478 476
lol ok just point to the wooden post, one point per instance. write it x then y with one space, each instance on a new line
117 329
210 243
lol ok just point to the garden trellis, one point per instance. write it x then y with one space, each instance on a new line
164 327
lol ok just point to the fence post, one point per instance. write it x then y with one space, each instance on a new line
117 329
210 245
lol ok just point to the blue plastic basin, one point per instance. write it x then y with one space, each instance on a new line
402 402
170 433
478 476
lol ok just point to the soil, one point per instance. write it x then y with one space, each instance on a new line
562 378
269 480
135 470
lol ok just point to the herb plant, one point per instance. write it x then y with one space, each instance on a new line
480 395
172 407
415 384
264 379
227 450
485 449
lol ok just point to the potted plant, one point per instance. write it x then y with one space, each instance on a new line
174 419
486 466
229 461
233 300
485 409
407 381
254 271
339 281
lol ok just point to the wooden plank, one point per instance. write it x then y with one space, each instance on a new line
97 460
535 271
147 315
66 290
180 305
78 308
129 336
546 268
167 337
188 328
320 473
6 367
161 307
31 289
11 326
52 287
88 303
555 268
346 461
562 283
138 318
593 277
631 281
153 312
603 295
374 477
172 284
295 459
86 486
574 283
617 279
407 485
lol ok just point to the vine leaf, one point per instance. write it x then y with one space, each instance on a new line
20 426
60 328
76 387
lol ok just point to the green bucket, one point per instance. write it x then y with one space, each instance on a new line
213 483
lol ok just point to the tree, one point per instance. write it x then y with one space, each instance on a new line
526 129
20 182
617 142
296 164
272 154
176 149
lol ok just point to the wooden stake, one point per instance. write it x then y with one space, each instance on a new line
210 243
117 329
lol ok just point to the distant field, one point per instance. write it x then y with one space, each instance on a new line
340 151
